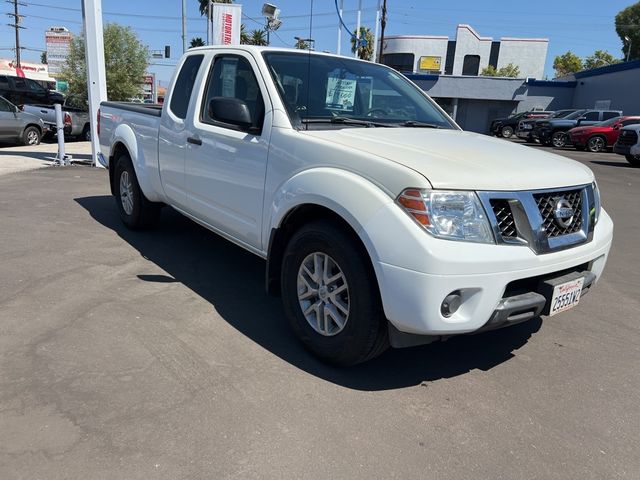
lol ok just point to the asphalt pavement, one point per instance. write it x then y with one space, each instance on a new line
158 355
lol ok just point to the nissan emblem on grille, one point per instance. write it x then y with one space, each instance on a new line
563 213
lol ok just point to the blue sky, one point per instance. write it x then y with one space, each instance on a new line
578 25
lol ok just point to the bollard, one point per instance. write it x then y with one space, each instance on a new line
61 158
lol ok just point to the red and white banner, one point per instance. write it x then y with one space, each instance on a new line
225 21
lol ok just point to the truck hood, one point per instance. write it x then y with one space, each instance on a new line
453 159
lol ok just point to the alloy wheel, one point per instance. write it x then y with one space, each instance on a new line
126 192
323 294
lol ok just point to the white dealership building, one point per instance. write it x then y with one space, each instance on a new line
468 54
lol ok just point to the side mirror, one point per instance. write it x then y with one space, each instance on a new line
617 126
581 119
230 110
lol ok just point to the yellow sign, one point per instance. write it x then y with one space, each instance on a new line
430 63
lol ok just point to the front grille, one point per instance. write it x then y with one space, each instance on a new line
504 215
547 204
628 137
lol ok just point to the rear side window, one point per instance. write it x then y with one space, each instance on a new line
608 115
631 121
184 86
592 116
4 81
4 105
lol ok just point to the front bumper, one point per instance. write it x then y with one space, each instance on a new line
412 299
626 149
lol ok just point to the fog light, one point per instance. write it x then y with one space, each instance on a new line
451 303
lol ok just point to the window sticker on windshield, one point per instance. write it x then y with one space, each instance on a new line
229 71
341 93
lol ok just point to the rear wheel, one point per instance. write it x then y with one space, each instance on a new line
559 139
135 210
507 131
86 133
633 160
331 297
31 136
596 144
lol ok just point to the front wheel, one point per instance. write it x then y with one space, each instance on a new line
330 295
86 133
507 131
31 136
559 139
596 144
633 160
135 210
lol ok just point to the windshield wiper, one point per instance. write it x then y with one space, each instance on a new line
416 124
339 120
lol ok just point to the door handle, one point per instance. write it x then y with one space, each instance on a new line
194 140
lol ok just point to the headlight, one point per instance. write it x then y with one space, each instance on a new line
454 215
597 205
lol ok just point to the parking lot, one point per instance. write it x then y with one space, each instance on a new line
133 355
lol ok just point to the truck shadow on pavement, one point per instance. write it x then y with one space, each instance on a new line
232 280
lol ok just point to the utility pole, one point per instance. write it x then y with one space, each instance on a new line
184 26
383 24
16 25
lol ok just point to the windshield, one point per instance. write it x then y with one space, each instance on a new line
562 113
609 122
575 115
323 89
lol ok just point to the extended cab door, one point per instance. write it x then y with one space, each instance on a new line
225 163
172 134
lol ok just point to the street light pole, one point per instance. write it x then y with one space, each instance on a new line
184 26
628 48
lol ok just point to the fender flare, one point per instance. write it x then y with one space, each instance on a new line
124 135
348 195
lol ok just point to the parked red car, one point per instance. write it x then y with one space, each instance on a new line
598 137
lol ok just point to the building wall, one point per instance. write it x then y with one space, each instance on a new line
420 46
621 88
528 54
468 42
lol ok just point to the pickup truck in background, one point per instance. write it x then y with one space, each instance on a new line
526 126
21 91
554 131
75 115
380 221
506 127
628 144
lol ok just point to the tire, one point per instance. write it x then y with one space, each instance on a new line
136 212
596 144
507 131
86 133
559 139
361 333
633 160
31 136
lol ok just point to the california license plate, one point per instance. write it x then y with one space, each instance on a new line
565 296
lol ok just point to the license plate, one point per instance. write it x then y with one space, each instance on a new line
565 296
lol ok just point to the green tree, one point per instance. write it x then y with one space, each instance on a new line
628 26
567 64
244 36
510 70
196 42
301 44
600 58
365 52
126 61
258 37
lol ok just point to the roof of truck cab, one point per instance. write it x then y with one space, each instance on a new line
254 48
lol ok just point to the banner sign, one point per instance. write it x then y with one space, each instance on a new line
58 45
226 20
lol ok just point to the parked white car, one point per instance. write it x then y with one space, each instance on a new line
380 220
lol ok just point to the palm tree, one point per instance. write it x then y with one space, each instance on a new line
244 36
258 38
204 5
196 42
365 52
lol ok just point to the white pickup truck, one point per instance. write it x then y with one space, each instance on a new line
380 220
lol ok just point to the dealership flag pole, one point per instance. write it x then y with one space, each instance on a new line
96 76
